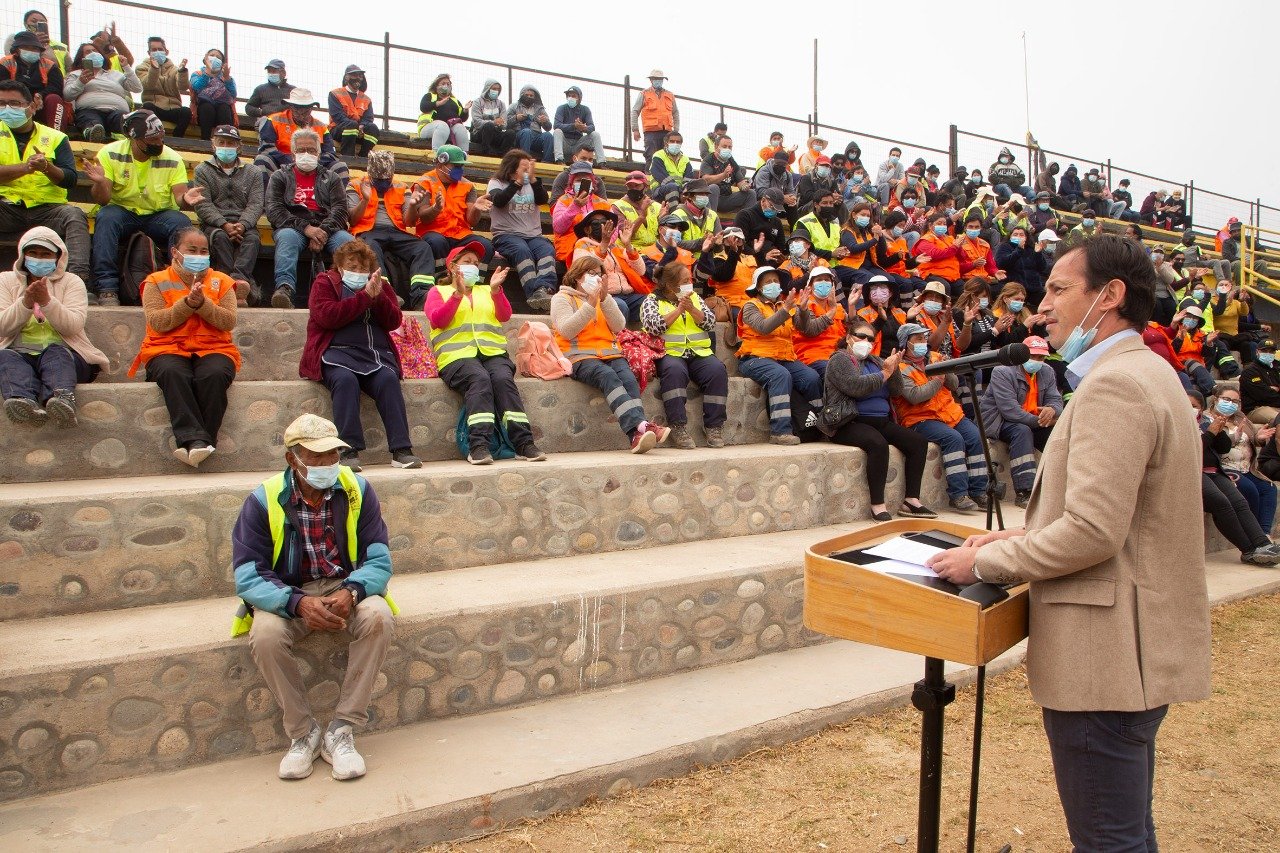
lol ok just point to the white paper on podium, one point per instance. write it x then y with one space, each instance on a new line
898 567
907 555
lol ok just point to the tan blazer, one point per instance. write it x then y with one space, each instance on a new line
1114 548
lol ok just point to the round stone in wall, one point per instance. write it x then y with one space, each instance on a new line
174 742
80 754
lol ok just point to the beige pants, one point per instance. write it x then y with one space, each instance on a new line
1263 415
271 642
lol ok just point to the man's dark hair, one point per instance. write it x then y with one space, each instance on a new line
1108 256
895 218
153 39
181 234
973 217
675 134
15 86
30 12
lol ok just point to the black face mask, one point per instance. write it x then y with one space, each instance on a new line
635 195
381 185
526 100
153 150
825 213
596 231
778 168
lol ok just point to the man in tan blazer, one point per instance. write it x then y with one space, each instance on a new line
1113 549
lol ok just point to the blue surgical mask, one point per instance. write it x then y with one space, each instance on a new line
1042 206
1088 223
1032 366
1190 322
931 307
570 102
1017 241
796 248
1079 340
273 79
701 201
470 273
824 171
1015 305
40 267
771 291
908 203
983 303
195 263
455 173
897 231
31 57
769 213
863 221
940 230
322 477
674 149
226 156
1227 407
911 182
1198 293
355 280
13 116
95 59
822 289
1266 359
160 57
920 350
973 233
893 158
215 64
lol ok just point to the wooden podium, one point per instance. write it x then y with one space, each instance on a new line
921 616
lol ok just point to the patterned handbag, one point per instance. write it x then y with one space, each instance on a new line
417 361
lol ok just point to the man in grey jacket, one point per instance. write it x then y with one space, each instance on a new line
233 203
1006 413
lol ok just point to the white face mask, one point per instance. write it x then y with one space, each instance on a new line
861 350
306 162
686 289
589 284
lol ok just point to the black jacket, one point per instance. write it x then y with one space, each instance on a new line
1255 387
753 223
330 198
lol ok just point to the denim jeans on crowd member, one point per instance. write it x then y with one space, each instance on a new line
38 376
1230 511
1023 441
559 139
1261 495
533 259
289 245
613 378
1105 763
440 133
539 143
962 458
629 305
778 378
1004 191
113 227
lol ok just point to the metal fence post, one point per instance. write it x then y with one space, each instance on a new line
386 81
64 21
1257 213
225 39
626 117
511 85
953 149
1189 190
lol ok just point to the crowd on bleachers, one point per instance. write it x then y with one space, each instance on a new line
836 281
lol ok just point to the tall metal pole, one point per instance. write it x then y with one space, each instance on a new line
1026 80
815 85
64 21
386 81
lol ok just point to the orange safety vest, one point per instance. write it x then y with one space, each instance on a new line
972 250
853 260
798 272
948 268
10 64
734 291
395 206
1191 348
451 222
1168 340
594 341
869 313
1031 403
195 336
638 282
893 245
776 345
353 107
820 348
932 325
284 127
657 112
683 256
940 407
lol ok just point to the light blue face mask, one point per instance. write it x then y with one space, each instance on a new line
824 171
322 477
797 249
909 203
674 149
771 291
273 79
920 350
13 116
1190 322
160 57
931 307
1017 241
973 233
1266 359
1015 305
31 57
95 59
863 221
1042 206
355 280
226 156
725 154
195 264
822 289
1227 407
940 230
983 303
470 273
1088 223
40 267
215 64
1032 366
1079 340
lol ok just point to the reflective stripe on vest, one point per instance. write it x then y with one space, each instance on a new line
284 127
395 207
35 188
474 329
710 220
594 341
657 110
675 168
195 336
354 108
685 334
826 238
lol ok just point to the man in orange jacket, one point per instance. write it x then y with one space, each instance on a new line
351 121
377 216
655 113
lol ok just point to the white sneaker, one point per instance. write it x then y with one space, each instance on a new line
339 749
198 454
302 753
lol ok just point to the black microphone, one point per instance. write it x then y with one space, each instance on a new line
1011 354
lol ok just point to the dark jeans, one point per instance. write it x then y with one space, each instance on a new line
874 436
38 377
112 229
1260 494
66 220
708 373
112 120
490 140
1230 511
487 384
210 115
441 246
384 387
1105 765
407 247
237 259
180 116
614 379
195 392
1023 441
778 379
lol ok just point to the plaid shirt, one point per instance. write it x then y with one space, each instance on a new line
319 557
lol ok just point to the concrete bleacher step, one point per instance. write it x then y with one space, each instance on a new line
270 340
81 546
106 695
124 428
446 779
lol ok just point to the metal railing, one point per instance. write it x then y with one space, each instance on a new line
248 46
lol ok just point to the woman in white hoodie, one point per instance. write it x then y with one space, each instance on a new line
44 352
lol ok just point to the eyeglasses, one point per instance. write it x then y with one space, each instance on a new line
862 336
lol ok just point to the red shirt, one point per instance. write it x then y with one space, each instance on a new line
306 192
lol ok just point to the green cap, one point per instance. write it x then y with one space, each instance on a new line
450 154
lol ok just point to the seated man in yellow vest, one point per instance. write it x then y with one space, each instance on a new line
641 209
351 114
37 168
376 206
466 319
309 553
670 169
141 185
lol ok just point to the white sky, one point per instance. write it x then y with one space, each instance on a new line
1163 87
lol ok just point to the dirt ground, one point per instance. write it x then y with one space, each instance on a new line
853 787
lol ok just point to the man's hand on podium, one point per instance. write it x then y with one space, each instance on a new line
956 564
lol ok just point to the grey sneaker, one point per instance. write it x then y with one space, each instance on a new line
964 503
302 753
283 297
404 459
110 299
540 300
339 749
680 437
1267 555
20 410
786 439
62 409
714 437
480 455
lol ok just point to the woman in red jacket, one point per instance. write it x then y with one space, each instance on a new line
349 349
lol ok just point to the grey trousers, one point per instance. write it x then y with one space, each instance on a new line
271 642
65 220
